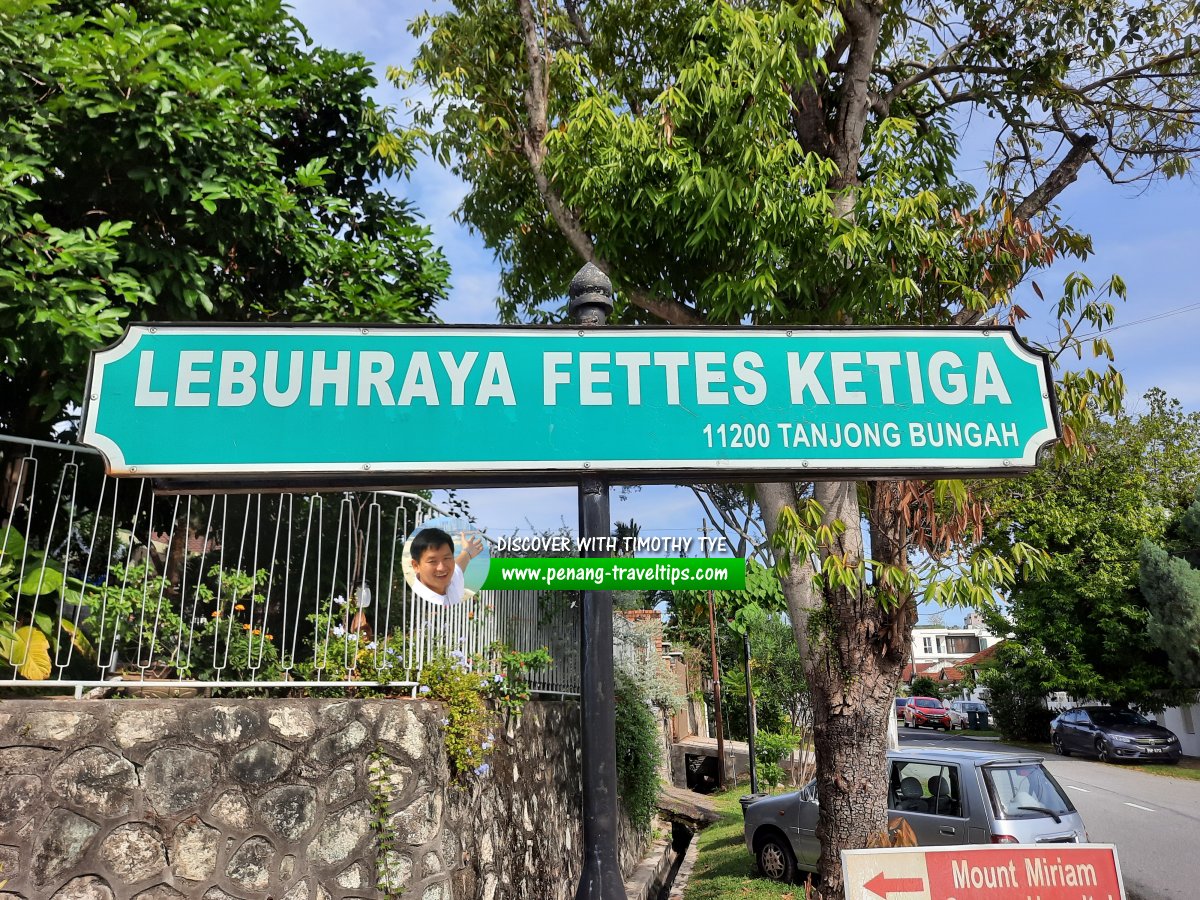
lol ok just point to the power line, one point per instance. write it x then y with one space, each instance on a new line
1154 318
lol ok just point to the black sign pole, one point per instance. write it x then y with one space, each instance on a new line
591 302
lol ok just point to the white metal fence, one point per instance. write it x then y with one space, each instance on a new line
103 579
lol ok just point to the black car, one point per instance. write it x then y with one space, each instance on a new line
1113 734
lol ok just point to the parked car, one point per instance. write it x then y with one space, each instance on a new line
1112 735
901 702
925 711
960 712
948 797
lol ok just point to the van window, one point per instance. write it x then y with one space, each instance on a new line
926 788
1025 791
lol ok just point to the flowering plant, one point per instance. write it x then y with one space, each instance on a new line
468 725
232 640
344 649
509 684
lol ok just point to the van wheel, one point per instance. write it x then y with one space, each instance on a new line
775 859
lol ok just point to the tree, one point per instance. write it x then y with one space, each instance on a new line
1085 626
182 160
776 670
796 164
924 686
1170 582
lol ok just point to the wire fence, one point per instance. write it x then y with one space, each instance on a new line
103 579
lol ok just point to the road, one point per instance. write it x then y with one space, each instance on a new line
1152 819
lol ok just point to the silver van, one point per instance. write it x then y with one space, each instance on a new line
946 796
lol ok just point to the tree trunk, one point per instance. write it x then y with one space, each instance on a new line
853 686
853 666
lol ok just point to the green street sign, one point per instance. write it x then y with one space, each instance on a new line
497 405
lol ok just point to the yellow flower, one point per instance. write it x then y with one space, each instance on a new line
239 607
256 631
245 628
270 637
216 614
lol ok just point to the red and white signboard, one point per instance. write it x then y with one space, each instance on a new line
1017 872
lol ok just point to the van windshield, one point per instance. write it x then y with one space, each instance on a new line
1025 791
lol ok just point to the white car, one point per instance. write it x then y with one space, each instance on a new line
959 710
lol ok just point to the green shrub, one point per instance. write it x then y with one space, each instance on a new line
639 751
1019 713
769 748
511 689
469 723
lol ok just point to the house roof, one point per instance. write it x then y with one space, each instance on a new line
938 671
982 656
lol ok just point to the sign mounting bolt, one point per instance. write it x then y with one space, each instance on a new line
1008 462
153 330
366 467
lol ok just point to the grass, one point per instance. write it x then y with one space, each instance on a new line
724 867
981 733
1188 767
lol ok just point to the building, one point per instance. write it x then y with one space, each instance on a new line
943 643
939 651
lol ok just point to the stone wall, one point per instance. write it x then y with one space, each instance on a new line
272 800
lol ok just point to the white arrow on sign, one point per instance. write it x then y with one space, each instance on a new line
884 887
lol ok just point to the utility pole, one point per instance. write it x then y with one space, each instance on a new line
600 879
712 643
751 714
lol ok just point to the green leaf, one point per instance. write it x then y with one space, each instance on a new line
12 544
41 579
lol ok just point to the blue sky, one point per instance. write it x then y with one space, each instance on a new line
1148 235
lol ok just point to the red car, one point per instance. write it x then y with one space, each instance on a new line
926 711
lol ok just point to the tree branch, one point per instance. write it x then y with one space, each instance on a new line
577 22
863 22
1063 175
534 148
808 121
